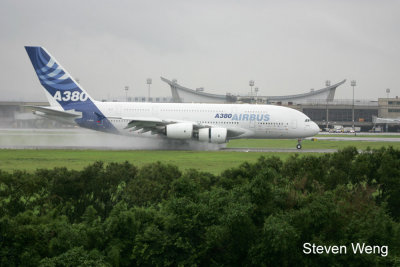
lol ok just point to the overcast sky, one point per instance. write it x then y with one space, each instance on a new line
287 47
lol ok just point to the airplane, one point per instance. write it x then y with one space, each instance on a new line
213 123
376 120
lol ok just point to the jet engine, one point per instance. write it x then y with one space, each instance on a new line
213 135
179 130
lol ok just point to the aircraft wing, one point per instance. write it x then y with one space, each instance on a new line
157 126
154 125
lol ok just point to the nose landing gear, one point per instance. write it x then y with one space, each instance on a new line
298 146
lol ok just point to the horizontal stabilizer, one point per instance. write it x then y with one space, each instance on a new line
54 112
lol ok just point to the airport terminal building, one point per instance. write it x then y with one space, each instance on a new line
320 105
181 94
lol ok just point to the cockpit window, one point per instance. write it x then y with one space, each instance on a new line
307 120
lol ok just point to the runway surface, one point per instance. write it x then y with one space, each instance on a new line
355 138
82 139
279 150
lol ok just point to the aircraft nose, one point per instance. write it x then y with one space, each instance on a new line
314 128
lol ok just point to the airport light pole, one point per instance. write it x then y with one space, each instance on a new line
256 91
148 81
387 93
251 83
353 84
126 93
327 83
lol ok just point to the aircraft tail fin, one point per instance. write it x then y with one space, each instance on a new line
61 89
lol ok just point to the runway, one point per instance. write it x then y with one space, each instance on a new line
279 150
83 139
355 138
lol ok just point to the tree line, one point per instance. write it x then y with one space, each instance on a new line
256 214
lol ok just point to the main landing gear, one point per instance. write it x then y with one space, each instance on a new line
298 146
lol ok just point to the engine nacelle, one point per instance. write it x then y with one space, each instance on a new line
204 134
213 135
179 130
218 135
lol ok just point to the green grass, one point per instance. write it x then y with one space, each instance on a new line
210 161
308 144
214 162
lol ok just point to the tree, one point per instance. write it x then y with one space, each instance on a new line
76 256
151 185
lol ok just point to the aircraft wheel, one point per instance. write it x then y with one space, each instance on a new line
298 146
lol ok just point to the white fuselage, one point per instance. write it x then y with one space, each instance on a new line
215 123
254 121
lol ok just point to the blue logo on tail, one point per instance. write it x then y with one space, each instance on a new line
66 91
56 81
